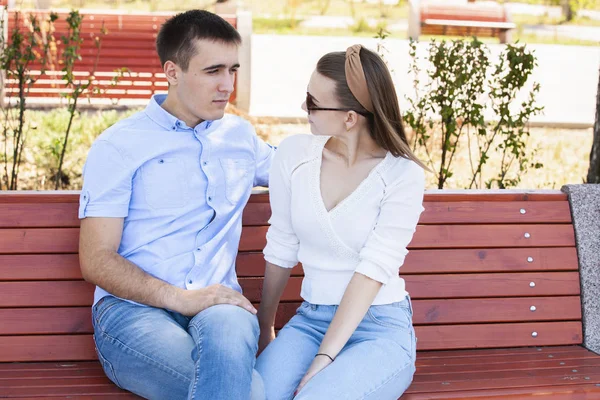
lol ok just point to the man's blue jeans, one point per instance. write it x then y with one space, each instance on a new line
159 354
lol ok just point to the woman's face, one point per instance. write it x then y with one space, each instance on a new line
321 94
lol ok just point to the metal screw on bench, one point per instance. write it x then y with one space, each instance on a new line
531 284
534 334
532 308
527 235
523 211
529 259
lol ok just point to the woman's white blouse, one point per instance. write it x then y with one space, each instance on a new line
367 232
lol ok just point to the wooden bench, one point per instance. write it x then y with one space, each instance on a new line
493 277
483 19
128 67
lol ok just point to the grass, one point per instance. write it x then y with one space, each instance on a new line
45 130
564 152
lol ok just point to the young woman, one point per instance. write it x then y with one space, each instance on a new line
345 202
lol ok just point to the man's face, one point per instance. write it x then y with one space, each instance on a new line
203 91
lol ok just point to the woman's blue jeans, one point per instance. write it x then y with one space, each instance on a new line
378 362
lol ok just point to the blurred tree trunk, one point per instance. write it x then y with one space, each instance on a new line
323 6
594 171
567 9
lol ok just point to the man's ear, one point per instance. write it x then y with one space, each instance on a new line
172 71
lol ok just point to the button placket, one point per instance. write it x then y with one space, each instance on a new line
204 162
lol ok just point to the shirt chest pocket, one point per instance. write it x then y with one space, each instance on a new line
239 176
164 183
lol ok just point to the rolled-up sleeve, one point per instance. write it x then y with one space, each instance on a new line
282 242
386 247
107 183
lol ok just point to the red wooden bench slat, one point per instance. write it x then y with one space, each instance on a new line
29 241
79 293
528 380
490 285
511 365
452 311
493 354
460 236
252 264
65 320
81 347
432 337
570 392
459 375
430 196
38 215
46 294
64 215
464 12
32 267
49 366
557 355
47 348
458 285
494 212
494 195
94 386
40 321
469 236
490 260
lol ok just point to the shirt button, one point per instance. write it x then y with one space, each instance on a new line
204 163
209 198
199 249
190 281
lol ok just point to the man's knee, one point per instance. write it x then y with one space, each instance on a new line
234 320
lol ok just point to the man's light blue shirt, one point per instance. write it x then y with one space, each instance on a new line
180 190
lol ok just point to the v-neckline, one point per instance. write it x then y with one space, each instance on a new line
354 193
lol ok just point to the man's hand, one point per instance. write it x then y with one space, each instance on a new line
267 335
191 302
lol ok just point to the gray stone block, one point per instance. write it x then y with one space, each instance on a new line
585 209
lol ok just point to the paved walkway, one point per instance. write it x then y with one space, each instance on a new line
281 67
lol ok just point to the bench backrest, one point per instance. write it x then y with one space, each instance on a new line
129 43
482 12
485 270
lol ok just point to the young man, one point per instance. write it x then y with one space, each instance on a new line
161 210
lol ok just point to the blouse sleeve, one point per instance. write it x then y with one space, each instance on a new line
282 242
385 249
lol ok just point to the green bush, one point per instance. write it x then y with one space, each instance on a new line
468 103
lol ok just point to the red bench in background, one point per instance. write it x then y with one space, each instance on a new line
129 47
494 280
455 18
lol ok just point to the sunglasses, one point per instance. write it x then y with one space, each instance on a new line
311 106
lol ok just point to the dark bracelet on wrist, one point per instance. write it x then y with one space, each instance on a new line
326 355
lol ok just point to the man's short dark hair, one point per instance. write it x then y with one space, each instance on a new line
177 37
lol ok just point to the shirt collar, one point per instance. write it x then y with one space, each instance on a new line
166 120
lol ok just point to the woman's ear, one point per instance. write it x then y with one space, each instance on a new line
172 72
351 120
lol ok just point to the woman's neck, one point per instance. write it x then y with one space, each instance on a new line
354 147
